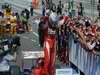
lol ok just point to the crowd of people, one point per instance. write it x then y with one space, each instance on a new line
54 28
86 31
11 24
18 20
7 29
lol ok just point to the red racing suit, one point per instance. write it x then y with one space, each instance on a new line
49 49
50 54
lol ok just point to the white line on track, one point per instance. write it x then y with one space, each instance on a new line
25 37
35 34
33 40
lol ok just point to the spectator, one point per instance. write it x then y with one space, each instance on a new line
66 6
87 23
97 47
59 8
16 40
65 13
17 15
40 32
27 13
22 12
24 22
80 9
69 6
31 10
72 3
43 8
91 43
93 30
1 15
98 8
53 7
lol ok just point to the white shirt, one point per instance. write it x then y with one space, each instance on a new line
91 46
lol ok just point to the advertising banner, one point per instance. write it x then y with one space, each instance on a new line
67 71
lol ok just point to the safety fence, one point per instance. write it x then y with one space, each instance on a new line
87 62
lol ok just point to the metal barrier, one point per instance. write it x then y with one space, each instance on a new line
87 62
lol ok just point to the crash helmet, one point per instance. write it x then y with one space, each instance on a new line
53 19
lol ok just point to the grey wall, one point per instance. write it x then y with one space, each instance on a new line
89 9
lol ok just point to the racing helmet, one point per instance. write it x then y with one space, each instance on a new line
53 19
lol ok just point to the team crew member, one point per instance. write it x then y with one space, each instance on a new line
62 51
59 8
43 8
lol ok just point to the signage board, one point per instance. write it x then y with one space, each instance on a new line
67 71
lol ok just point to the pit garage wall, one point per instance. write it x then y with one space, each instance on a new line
90 6
1 2
19 5
87 62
